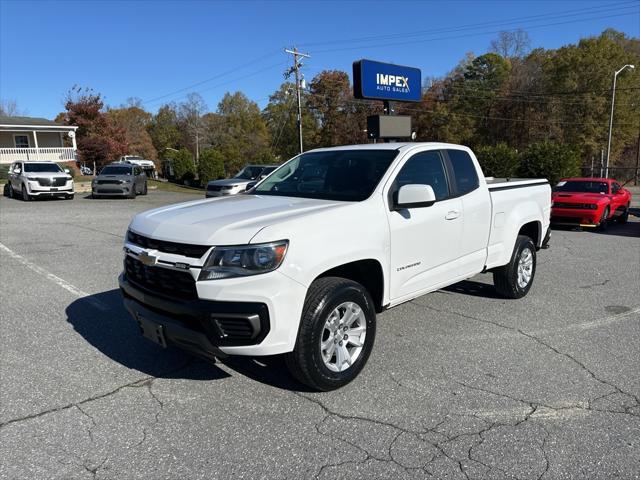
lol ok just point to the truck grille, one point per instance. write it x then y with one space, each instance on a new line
164 281
193 251
52 182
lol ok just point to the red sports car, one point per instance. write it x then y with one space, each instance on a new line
589 202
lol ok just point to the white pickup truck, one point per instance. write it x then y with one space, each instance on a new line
300 264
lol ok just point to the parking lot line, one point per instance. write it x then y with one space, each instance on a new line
54 278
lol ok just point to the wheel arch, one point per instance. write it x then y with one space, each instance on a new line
367 272
533 230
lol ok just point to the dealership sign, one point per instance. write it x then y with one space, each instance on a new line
386 81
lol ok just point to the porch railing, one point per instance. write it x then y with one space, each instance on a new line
51 154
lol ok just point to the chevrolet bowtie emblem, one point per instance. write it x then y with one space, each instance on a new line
147 259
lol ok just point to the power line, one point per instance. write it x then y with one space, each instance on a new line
219 75
474 34
472 26
296 69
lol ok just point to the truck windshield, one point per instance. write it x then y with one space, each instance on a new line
582 186
42 167
347 175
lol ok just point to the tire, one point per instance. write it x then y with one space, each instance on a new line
144 189
624 218
69 197
11 193
25 196
604 220
512 282
332 298
133 192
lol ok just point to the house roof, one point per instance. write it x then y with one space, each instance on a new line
23 122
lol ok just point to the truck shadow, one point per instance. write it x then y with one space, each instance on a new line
102 320
473 288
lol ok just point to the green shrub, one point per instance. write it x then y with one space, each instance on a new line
183 166
210 166
549 160
499 160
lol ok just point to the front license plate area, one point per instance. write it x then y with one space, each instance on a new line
54 189
152 330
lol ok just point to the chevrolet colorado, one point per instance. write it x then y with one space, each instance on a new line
301 263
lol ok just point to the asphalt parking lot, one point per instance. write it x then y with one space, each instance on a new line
461 383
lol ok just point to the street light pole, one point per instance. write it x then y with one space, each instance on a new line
613 100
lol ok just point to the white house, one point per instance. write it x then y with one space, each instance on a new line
26 138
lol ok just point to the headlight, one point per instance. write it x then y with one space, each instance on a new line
243 260
592 207
127 181
229 187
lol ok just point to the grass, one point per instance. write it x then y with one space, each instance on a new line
172 187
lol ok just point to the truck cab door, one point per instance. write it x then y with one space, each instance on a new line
424 241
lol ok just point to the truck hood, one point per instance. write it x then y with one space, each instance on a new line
578 197
32 175
231 220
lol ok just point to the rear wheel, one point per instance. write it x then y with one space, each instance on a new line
144 189
604 220
25 196
11 192
336 335
515 279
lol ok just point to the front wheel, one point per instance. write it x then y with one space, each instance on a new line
25 196
604 220
11 193
624 218
515 278
144 189
336 335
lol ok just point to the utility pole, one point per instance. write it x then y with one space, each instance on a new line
613 101
296 69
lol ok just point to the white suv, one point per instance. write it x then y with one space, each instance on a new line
39 179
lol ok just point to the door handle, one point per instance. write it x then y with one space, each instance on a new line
452 215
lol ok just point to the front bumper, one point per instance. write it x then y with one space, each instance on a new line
112 190
37 190
573 216
259 316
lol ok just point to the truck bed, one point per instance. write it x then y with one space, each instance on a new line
495 184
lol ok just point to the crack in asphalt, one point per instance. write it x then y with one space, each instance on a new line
135 384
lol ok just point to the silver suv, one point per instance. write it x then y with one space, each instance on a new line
39 179
239 183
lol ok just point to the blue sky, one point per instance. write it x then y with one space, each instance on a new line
152 49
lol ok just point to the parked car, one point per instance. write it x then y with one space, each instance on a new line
84 170
300 265
590 202
118 180
39 179
238 184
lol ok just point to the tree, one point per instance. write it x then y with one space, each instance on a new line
331 101
164 130
239 132
183 166
281 118
190 116
511 44
498 161
210 166
550 160
134 121
9 108
105 140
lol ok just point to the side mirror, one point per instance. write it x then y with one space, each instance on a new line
414 196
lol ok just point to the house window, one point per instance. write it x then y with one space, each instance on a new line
21 141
